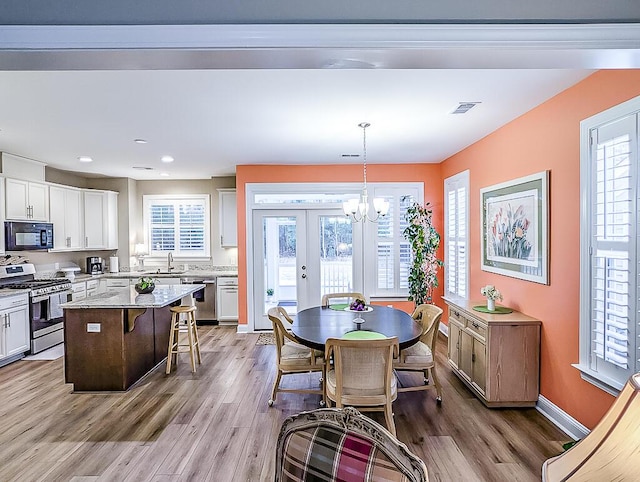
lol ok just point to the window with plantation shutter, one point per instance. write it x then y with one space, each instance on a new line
392 251
609 332
177 224
456 196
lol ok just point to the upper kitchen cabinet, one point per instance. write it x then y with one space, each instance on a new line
26 194
26 200
100 219
228 218
66 215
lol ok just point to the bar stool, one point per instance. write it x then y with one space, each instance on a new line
189 327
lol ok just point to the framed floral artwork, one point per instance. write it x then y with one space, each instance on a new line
515 228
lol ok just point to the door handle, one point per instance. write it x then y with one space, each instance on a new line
304 267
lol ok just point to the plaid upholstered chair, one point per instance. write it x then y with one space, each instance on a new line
291 356
343 297
332 444
420 357
362 375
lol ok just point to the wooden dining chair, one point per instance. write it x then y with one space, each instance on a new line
291 356
362 375
346 297
332 444
421 356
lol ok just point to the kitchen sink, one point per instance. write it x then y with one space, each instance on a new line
165 272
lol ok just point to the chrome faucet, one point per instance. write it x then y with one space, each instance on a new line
169 261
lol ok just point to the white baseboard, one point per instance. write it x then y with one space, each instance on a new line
561 419
551 412
243 329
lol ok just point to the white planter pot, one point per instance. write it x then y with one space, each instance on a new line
491 304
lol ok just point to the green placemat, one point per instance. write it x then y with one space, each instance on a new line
363 335
339 306
500 310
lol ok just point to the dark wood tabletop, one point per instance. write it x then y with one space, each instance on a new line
314 325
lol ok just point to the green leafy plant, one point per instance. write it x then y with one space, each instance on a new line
145 282
270 292
424 241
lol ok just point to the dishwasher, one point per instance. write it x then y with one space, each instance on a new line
205 299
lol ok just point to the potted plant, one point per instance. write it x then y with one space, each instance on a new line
424 241
145 285
269 294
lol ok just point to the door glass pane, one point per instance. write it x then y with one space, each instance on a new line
279 257
336 254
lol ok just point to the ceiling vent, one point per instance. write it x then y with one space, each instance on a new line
464 107
142 168
350 155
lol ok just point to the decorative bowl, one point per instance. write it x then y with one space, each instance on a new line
143 290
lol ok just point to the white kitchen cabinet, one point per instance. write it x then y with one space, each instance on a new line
95 215
95 286
65 206
26 200
228 218
14 326
166 281
78 291
227 299
117 283
112 220
2 216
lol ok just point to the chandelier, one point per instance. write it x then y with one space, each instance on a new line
361 210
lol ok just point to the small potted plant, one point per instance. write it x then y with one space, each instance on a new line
269 294
492 295
145 285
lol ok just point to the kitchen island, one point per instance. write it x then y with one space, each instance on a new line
115 338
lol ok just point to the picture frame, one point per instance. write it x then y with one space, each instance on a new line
515 228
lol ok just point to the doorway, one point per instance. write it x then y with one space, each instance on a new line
299 255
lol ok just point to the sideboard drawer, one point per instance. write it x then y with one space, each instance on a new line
478 328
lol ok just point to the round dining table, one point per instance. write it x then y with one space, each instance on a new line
312 326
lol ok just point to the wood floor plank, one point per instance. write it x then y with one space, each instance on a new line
215 424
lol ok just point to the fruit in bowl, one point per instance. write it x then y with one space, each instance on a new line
358 305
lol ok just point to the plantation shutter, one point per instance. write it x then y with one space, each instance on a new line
178 225
614 249
456 234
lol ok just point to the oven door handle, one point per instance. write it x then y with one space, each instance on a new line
38 299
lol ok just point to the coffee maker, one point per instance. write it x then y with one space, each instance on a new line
94 265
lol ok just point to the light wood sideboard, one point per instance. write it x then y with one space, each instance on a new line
496 355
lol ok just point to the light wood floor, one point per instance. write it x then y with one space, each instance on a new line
216 425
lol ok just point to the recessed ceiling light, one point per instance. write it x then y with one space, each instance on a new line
85 159
167 159
164 174
140 141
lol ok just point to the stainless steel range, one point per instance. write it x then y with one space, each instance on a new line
45 296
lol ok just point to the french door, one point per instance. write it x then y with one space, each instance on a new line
299 255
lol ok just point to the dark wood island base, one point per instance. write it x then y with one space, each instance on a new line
111 348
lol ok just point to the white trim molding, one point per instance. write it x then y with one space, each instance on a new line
561 419
353 46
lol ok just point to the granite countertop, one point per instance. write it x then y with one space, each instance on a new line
199 274
129 298
4 292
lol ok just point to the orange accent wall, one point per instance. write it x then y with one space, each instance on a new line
430 174
547 138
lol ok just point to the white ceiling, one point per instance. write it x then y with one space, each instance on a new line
268 109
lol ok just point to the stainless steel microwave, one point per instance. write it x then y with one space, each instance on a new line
20 236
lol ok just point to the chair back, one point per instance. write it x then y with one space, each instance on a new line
363 369
429 318
348 297
279 318
341 444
